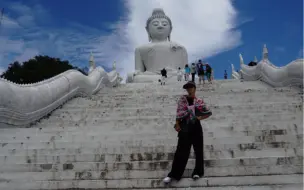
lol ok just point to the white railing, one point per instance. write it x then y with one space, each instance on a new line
21 105
235 75
289 75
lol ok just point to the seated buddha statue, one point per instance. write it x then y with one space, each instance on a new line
160 53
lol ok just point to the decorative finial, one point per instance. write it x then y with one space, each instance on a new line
265 52
114 66
255 59
241 60
92 63
232 67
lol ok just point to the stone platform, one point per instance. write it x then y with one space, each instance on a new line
123 138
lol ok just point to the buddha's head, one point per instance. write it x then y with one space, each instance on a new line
159 26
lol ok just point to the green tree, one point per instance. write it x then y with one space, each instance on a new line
37 69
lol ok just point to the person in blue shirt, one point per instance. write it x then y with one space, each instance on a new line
187 72
208 72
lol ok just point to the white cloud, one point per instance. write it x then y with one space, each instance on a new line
20 8
204 27
8 23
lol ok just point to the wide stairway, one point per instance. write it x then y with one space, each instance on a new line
123 138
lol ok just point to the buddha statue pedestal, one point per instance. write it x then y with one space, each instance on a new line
149 77
143 77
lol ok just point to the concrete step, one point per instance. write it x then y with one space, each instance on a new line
24 133
112 138
87 156
123 149
166 98
270 187
199 91
171 110
88 119
141 174
215 118
154 92
280 107
137 102
152 165
166 127
96 133
156 141
294 180
258 187
178 89
104 136
140 126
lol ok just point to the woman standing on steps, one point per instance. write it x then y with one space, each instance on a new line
190 110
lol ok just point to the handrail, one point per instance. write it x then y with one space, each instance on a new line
23 104
290 74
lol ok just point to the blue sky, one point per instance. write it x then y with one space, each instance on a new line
216 30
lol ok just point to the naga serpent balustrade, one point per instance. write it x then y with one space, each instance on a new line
23 104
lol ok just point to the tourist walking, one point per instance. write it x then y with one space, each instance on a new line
225 74
193 71
187 72
179 74
190 110
164 76
200 72
208 72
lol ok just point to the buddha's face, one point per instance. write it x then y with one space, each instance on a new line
159 29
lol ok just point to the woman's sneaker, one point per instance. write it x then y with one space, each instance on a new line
167 180
195 177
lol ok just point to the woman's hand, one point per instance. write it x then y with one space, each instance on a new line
203 117
177 127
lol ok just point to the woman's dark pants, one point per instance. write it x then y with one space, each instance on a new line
193 77
185 141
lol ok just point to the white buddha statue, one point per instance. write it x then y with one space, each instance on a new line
160 53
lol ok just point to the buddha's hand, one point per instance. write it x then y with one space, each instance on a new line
175 46
203 117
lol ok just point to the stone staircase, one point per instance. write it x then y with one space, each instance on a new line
123 138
